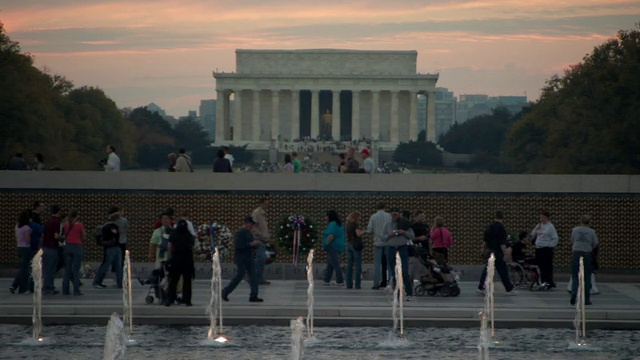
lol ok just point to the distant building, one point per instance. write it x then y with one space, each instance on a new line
156 109
472 105
208 117
445 101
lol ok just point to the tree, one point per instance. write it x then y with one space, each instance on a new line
587 121
418 153
154 138
42 113
481 134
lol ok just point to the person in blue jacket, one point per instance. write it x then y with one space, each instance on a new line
333 242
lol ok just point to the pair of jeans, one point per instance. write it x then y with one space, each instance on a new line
501 269
333 264
354 258
391 265
23 281
379 265
244 265
575 269
113 259
49 268
260 260
73 254
544 259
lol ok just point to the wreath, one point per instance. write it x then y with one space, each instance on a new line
297 235
214 234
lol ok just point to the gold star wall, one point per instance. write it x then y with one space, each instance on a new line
616 219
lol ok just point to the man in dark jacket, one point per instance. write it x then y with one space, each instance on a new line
495 238
110 239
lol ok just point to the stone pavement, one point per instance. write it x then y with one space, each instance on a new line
618 307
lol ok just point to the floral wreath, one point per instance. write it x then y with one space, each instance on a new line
297 235
214 232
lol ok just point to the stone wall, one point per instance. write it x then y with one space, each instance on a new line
465 201
326 62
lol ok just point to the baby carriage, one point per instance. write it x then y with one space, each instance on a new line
158 285
433 276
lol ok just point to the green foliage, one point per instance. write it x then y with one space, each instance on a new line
40 113
191 135
154 138
418 153
587 121
481 134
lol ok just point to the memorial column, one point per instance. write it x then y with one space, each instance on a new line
413 116
395 122
255 126
355 115
220 130
295 114
237 116
375 115
335 124
275 114
431 116
315 114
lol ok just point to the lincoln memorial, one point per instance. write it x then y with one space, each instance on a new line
285 95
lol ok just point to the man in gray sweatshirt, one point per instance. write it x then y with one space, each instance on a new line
376 226
583 240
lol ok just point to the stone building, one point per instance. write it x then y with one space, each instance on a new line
330 94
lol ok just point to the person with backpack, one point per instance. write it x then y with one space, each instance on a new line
183 162
109 237
495 242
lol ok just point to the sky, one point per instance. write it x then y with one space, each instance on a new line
164 52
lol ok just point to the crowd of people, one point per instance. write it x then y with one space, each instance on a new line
63 236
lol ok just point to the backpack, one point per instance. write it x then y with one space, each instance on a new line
100 241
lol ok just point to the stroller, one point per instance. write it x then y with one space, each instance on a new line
158 285
433 275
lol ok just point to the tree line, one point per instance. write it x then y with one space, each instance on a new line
71 127
585 122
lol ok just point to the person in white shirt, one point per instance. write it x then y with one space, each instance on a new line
227 155
113 161
545 239
369 166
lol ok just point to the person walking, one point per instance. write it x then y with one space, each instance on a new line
113 161
50 255
584 241
73 253
245 243
181 264
260 231
333 243
376 226
110 241
354 249
545 238
495 238
222 164
440 238
183 162
297 165
23 239
288 165
398 234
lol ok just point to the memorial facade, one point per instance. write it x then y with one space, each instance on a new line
285 95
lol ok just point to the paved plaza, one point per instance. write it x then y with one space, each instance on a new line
617 307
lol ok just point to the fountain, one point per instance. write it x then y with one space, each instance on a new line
398 297
36 273
311 339
486 315
127 308
580 321
214 310
297 339
115 342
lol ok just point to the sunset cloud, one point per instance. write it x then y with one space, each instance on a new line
490 46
